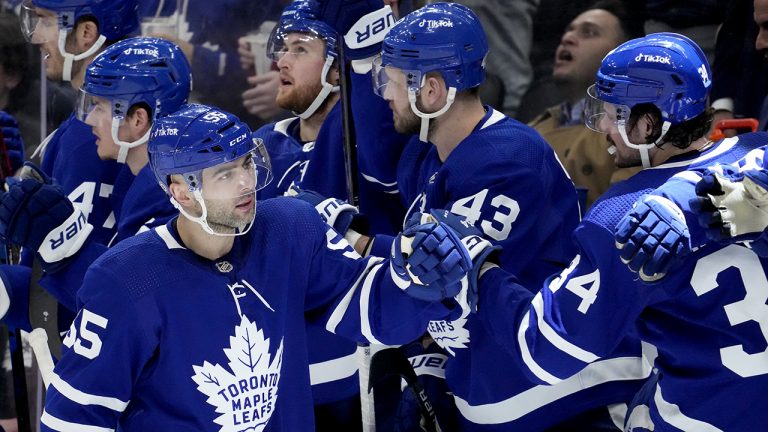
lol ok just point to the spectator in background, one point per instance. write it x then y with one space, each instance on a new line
208 32
588 38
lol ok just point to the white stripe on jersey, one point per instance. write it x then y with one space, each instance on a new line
615 369
365 295
671 414
555 339
65 426
526 353
83 398
333 370
341 309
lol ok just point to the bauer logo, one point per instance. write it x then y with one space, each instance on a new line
653 58
370 29
245 396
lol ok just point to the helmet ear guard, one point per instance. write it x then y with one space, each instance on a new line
446 38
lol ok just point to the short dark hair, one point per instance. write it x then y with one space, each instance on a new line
630 19
680 135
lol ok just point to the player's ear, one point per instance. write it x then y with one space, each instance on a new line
138 122
433 93
86 34
180 191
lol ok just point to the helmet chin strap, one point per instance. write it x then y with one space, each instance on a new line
326 90
203 219
70 58
122 155
424 116
643 148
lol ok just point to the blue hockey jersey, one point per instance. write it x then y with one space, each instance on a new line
193 344
703 317
506 180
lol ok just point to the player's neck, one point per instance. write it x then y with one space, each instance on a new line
455 125
200 242
137 159
309 128
668 151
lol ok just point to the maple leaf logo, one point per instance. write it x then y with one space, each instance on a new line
246 396
449 334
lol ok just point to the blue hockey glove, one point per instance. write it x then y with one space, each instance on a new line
734 207
335 212
14 145
444 252
652 237
36 214
361 23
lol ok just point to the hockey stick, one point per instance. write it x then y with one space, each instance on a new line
38 340
392 361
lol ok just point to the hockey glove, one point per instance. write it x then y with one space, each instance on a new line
734 207
652 237
443 251
361 23
13 145
336 213
36 214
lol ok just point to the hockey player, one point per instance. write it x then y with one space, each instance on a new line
506 181
307 153
650 99
125 88
209 335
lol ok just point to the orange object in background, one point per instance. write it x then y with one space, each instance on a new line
739 125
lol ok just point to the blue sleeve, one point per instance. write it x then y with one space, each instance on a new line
15 280
105 339
367 306
579 316
65 283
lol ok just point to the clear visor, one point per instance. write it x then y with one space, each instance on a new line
297 44
236 179
601 116
91 109
38 26
393 79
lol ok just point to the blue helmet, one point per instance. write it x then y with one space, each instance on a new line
443 37
149 70
667 70
116 18
198 137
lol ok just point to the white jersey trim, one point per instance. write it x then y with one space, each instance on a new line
282 125
83 398
615 369
373 179
670 413
555 339
341 309
365 295
333 370
528 358
167 237
724 146
493 119
65 426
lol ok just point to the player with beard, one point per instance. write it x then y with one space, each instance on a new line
650 99
500 175
306 153
209 334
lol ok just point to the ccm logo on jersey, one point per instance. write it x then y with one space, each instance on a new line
370 29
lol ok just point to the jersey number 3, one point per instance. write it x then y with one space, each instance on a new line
751 308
